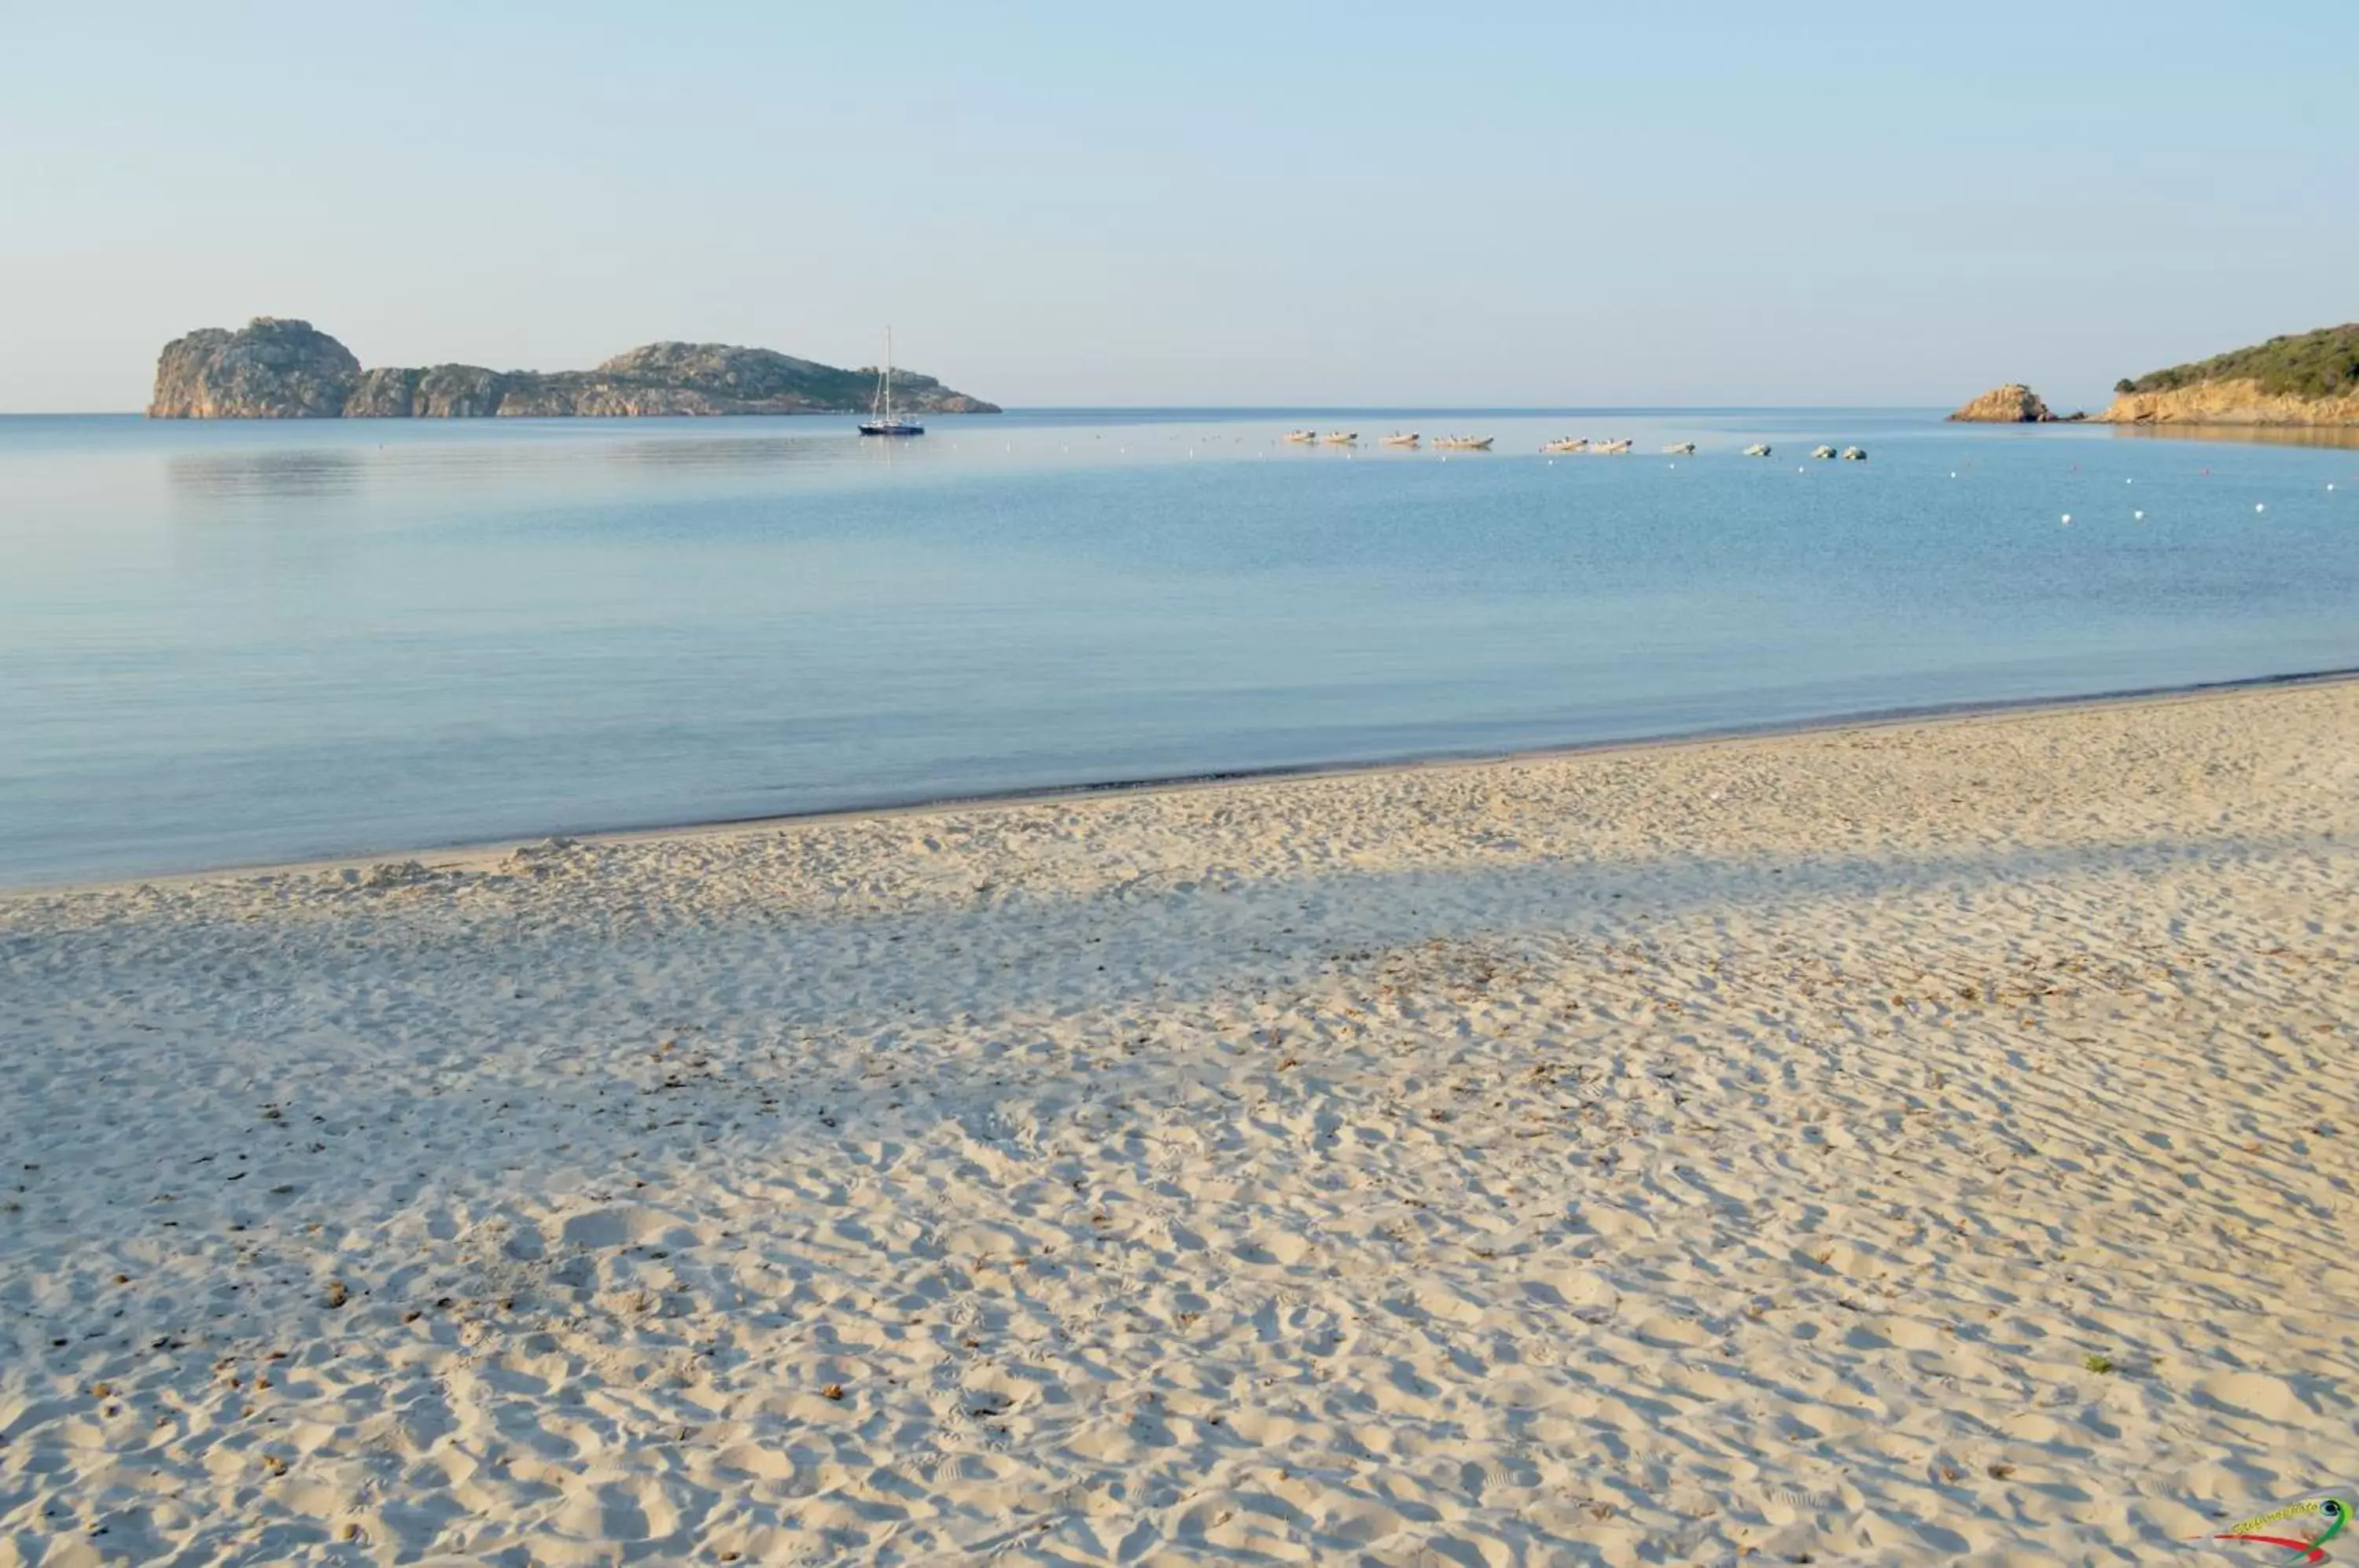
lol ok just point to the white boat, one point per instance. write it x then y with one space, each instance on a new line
1758 448
1400 438
1465 444
1302 437
1822 451
1855 454
1612 448
881 420
1339 438
1566 443
1679 449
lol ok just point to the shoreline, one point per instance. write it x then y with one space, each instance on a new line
469 853
1928 1138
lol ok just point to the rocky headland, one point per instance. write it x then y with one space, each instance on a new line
2241 402
280 369
2306 378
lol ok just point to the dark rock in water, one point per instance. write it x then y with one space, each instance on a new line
268 369
275 369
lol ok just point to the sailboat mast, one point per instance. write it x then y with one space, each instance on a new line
883 419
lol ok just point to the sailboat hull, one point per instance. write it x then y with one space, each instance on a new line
896 428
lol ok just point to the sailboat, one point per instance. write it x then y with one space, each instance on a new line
880 421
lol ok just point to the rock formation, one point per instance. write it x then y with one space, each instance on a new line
2013 404
2306 378
2240 402
378 394
270 369
277 369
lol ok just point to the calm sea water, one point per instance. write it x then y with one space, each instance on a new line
238 642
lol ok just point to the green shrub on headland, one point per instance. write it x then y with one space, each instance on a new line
2323 364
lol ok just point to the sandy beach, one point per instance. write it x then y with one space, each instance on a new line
1880 1144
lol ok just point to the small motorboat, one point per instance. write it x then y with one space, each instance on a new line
1758 448
1679 449
1822 451
1339 438
1566 443
1399 438
1612 448
1465 444
1855 454
1302 437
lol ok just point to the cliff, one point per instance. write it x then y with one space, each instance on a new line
277 369
2310 379
269 369
2241 402
2013 404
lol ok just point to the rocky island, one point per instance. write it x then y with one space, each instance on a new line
2013 404
2308 378
280 369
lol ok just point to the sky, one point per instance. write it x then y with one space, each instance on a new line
1301 204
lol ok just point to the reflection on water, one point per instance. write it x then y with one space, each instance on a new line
230 482
723 454
2262 435
215 476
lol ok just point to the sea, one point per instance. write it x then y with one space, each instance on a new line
247 642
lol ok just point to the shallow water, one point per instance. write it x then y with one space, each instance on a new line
237 642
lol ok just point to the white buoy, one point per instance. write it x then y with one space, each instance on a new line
2068 520
2261 507
2137 517
1954 474
2129 481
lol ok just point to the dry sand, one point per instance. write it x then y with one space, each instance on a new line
1869 1146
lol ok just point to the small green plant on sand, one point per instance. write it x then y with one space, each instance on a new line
2099 1364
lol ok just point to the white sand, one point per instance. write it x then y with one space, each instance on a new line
1661 1156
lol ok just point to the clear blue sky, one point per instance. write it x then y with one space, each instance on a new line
1195 203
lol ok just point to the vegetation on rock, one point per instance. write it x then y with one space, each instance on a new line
2323 364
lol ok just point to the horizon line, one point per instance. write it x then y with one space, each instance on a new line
1036 409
